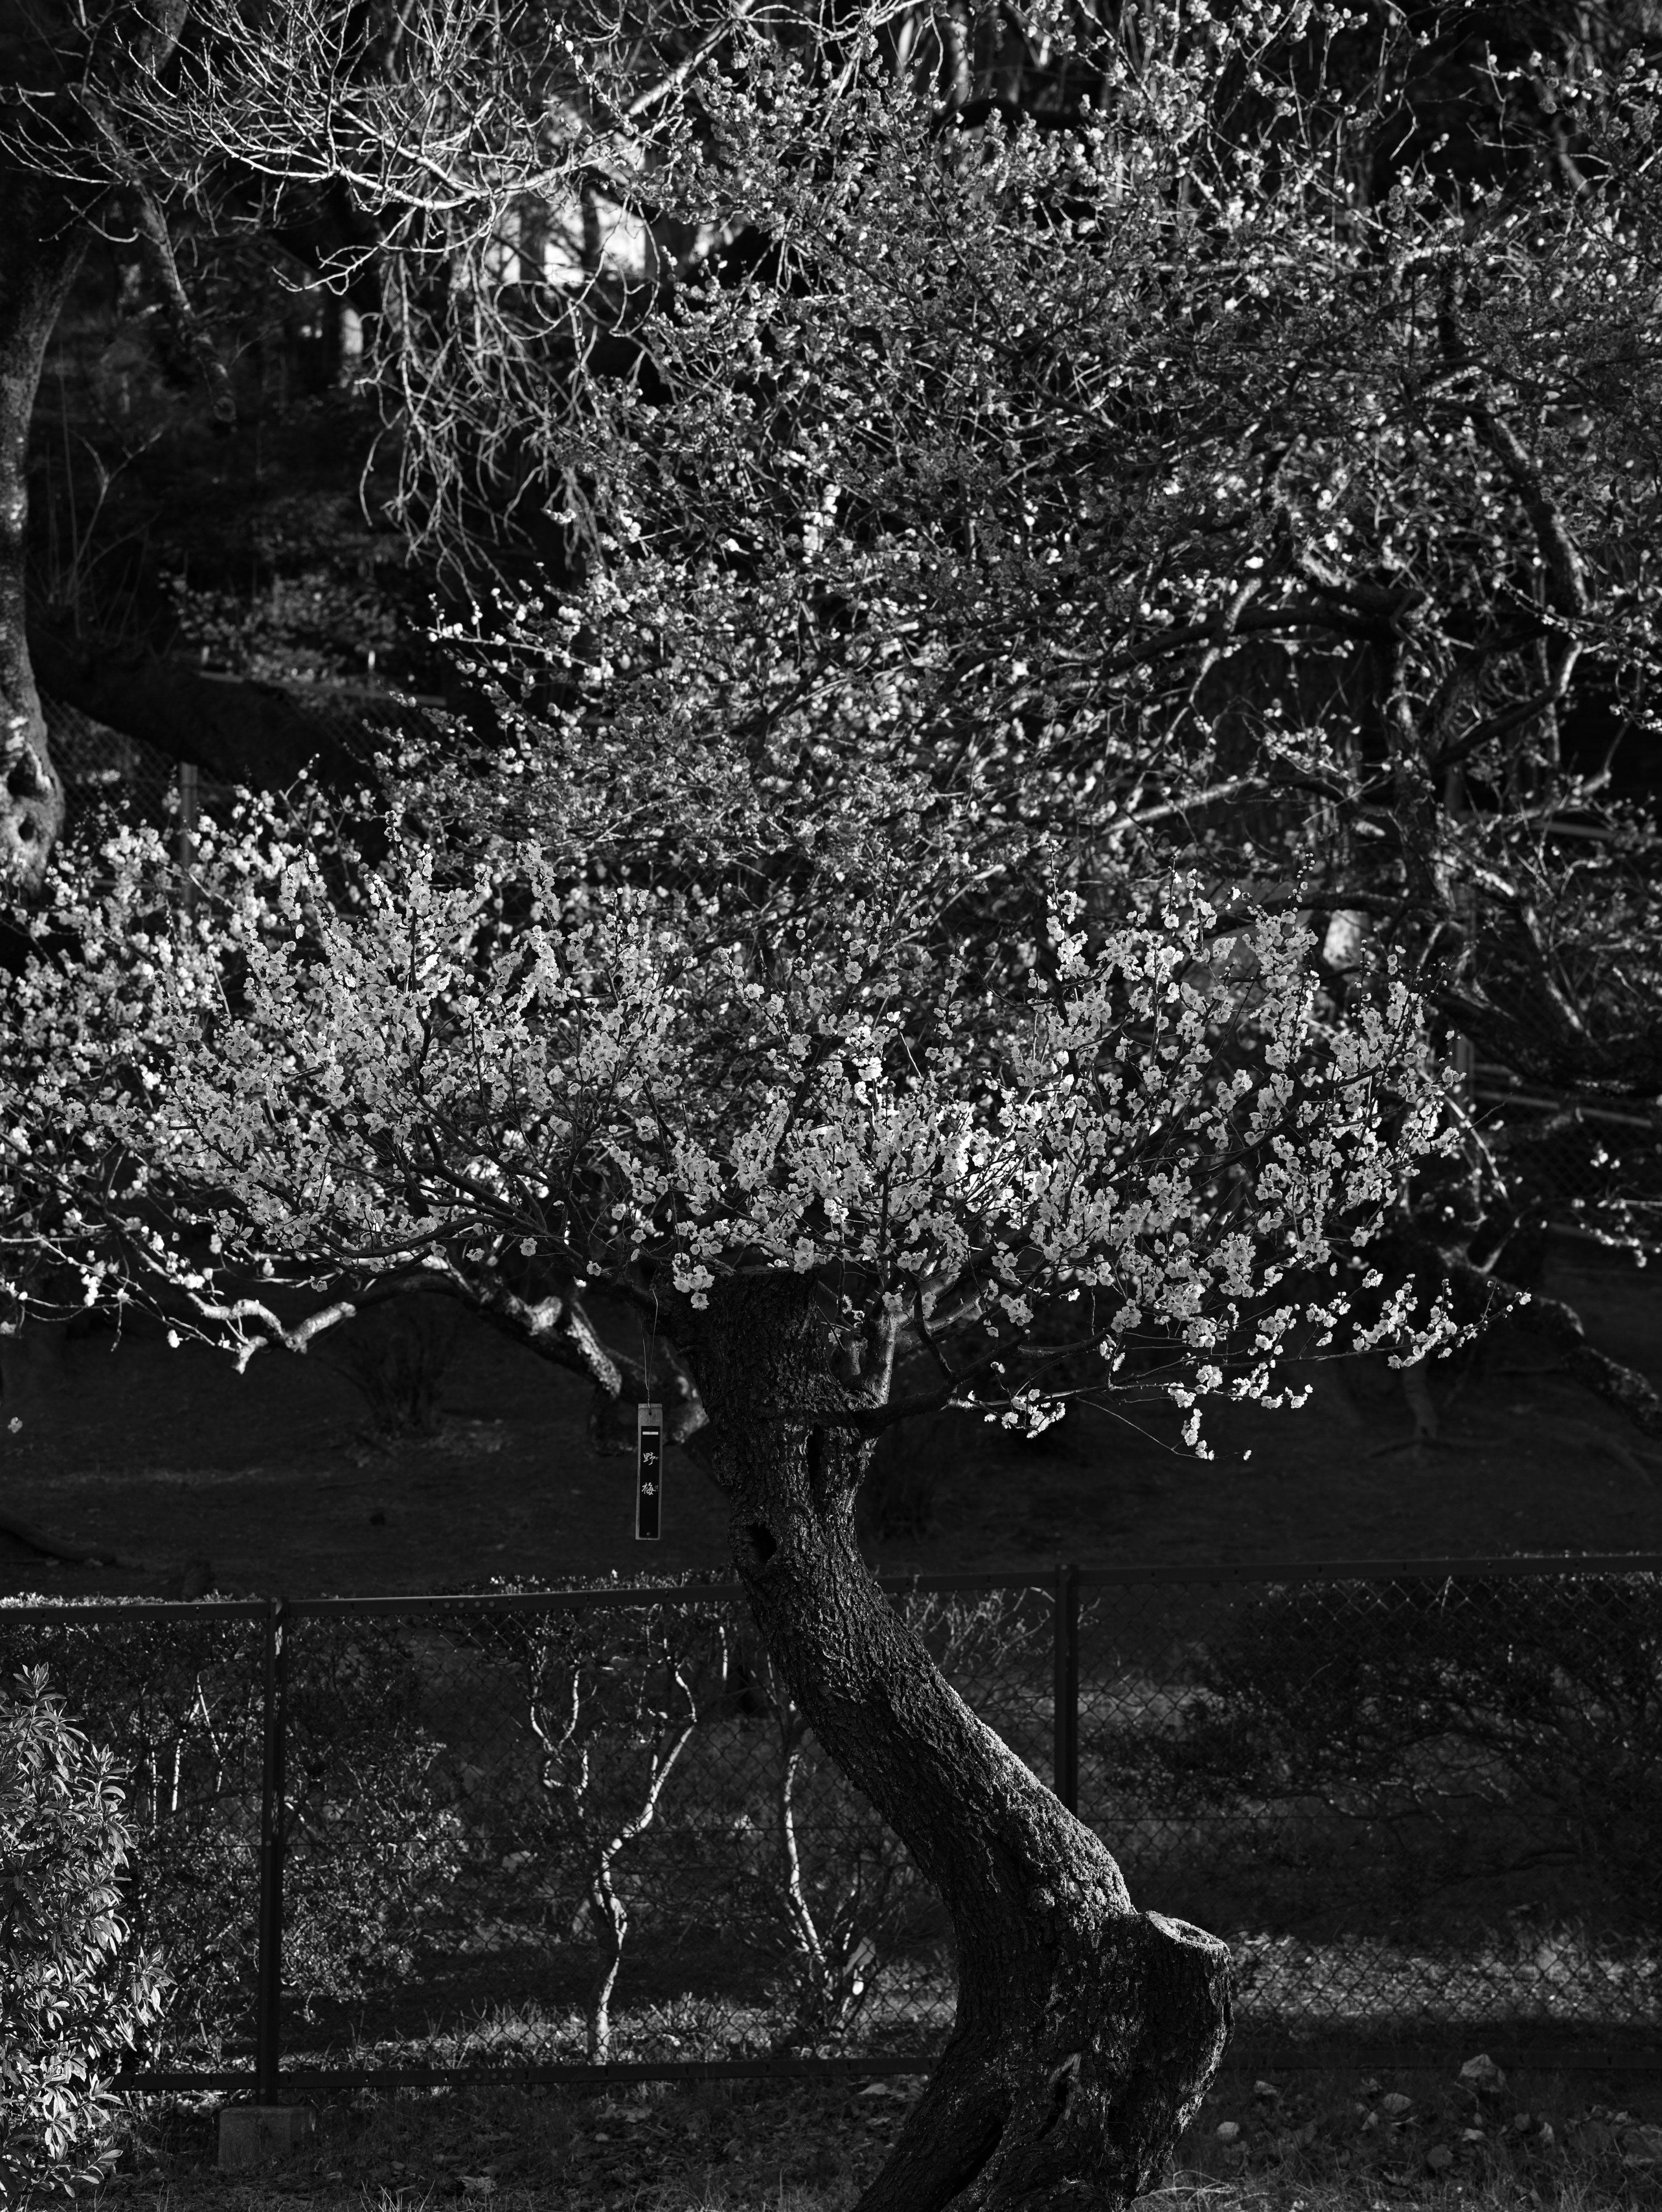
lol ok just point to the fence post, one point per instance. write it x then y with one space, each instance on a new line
1065 1695
270 1990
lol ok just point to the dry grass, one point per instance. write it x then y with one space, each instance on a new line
1317 2145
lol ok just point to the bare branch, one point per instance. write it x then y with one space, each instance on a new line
152 225
644 102
1566 569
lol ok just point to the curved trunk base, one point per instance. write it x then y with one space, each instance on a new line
1086 2032
1072 2088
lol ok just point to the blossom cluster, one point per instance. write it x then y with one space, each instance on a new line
326 1078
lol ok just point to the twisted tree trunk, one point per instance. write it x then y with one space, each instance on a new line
1086 2032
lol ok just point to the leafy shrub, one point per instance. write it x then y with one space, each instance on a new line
179 1701
371 1842
71 2002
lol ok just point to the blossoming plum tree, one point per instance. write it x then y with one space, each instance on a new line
754 1031
827 1160
794 1023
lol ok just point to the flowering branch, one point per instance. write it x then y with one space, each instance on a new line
377 1085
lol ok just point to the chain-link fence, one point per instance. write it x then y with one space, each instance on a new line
541 1833
100 764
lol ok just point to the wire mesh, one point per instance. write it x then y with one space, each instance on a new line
1597 1169
589 1826
101 764
1413 1806
761 1907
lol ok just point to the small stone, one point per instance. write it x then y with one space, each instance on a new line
1439 2157
1396 2103
1229 2131
1267 2090
1522 2122
1473 2134
1482 2074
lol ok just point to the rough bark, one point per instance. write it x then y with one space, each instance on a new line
1086 2032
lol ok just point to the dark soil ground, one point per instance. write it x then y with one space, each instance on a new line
193 1477
1308 2143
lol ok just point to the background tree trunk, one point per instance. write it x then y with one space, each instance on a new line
1086 2033
42 251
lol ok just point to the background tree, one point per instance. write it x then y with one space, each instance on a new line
78 167
313 169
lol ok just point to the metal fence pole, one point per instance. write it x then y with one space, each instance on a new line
1065 1696
269 1995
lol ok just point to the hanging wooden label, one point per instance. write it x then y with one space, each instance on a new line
648 1474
